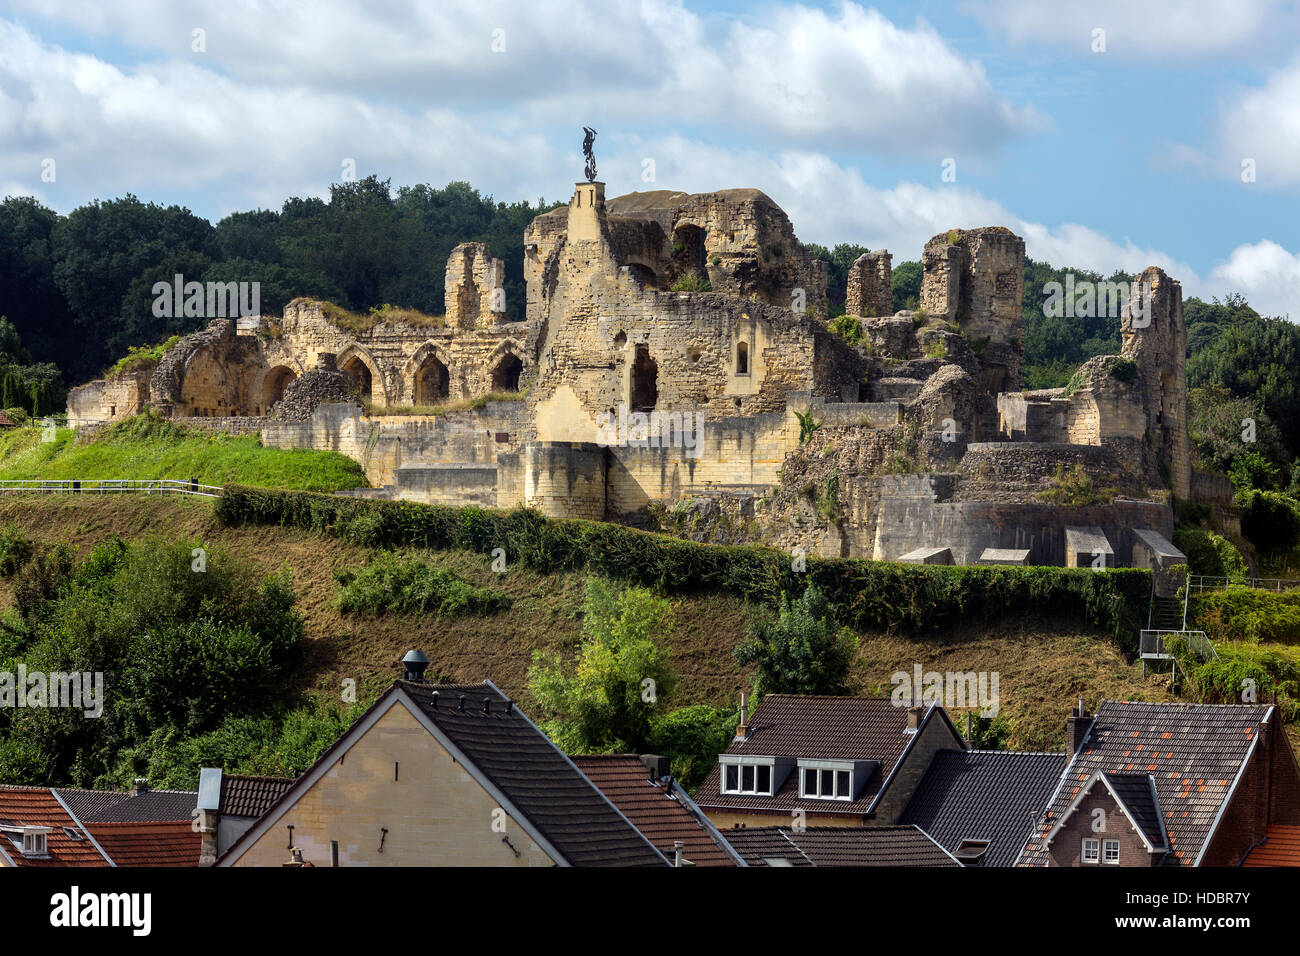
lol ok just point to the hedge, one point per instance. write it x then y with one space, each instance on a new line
872 594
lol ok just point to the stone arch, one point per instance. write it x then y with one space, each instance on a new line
373 390
273 384
506 373
689 250
431 381
205 390
257 390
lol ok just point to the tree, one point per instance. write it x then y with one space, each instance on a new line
803 650
607 699
1270 520
906 284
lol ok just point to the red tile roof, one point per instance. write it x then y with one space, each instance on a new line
148 843
662 818
37 806
1281 847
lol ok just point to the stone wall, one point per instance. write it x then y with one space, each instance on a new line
107 399
870 285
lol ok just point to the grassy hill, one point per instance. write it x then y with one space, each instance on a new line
1043 666
144 447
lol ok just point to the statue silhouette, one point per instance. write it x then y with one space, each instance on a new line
587 152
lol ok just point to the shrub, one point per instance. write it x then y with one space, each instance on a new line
803 650
848 328
390 583
15 549
1248 614
1209 553
1270 520
871 594
691 282
691 738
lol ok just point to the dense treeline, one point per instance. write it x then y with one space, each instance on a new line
78 288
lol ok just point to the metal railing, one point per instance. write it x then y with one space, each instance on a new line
109 486
1151 644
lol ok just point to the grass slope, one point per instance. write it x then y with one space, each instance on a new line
1042 667
152 448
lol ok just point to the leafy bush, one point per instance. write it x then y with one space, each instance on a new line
803 650
848 328
870 594
1269 520
1241 674
404 586
607 700
691 282
1209 553
15 549
1248 614
691 738
1251 470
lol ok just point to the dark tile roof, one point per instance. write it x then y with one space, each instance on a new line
172 843
664 819
152 805
992 795
38 807
88 804
1281 847
542 784
822 728
1193 751
1136 791
839 846
243 796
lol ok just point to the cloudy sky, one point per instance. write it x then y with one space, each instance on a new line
1110 134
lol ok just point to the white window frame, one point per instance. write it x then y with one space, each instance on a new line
35 844
1105 852
741 765
1093 844
835 768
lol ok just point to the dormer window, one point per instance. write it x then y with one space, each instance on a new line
825 780
29 840
747 775
970 852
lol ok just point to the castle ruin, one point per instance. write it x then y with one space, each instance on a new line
675 360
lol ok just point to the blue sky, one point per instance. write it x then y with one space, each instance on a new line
844 113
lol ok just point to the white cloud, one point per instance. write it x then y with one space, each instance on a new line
1149 28
851 76
1266 273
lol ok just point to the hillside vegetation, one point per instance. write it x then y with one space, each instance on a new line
145 447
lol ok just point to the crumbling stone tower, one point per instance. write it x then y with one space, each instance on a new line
871 285
976 278
474 296
1154 336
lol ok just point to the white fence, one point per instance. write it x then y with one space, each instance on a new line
109 486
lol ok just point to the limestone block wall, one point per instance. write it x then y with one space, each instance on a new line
969 527
870 285
1154 336
448 484
564 479
384 444
474 290
108 399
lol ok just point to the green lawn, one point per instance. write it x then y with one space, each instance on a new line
150 448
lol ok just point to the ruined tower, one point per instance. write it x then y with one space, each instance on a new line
870 287
1154 336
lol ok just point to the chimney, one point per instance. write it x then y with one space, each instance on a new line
679 854
295 858
1076 728
914 715
657 765
208 806
742 728
141 785
414 664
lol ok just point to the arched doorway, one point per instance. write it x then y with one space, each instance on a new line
360 372
432 382
505 377
689 253
273 386
644 394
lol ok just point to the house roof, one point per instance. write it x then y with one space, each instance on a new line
1136 792
244 796
151 805
544 785
985 795
1193 752
88 804
1281 847
136 843
839 846
664 815
39 807
820 728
